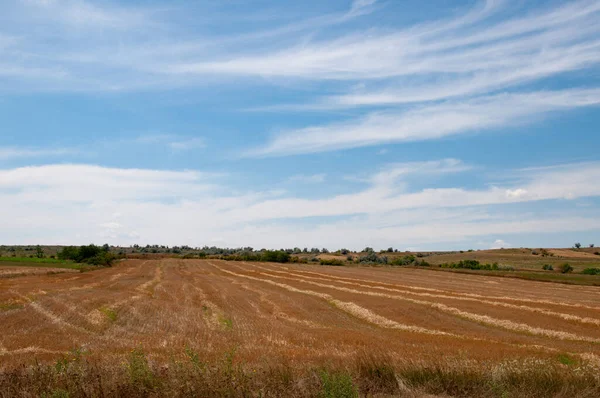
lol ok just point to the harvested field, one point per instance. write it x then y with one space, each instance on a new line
303 316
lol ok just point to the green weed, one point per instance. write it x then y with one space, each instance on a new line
337 385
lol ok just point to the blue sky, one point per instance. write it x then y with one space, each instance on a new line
445 125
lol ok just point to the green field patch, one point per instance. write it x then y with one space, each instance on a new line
40 262
35 260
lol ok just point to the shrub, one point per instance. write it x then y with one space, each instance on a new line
591 245
547 267
577 245
566 268
405 260
344 251
368 258
372 258
591 271
332 261
90 254
473 264
275 256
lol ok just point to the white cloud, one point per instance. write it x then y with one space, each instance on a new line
82 204
174 142
516 193
452 47
80 13
107 47
500 244
308 179
111 225
428 122
8 153
187 144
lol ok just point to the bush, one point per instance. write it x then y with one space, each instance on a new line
39 252
566 268
372 258
577 245
547 267
275 256
591 271
332 261
472 264
406 260
90 254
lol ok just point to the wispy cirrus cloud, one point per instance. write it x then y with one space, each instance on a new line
457 47
308 178
507 49
9 153
85 14
174 142
428 122
187 144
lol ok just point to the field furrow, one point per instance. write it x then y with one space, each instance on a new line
296 313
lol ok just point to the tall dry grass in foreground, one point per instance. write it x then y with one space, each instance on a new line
188 375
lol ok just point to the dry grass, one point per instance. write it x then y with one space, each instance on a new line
209 327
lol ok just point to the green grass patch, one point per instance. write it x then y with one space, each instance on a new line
337 384
566 360
41 263
226 322
10 306
35 260
110 313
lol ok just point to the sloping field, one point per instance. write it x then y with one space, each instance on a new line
524 259
294 314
